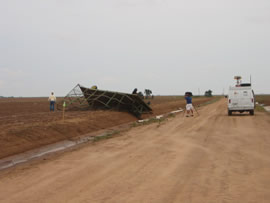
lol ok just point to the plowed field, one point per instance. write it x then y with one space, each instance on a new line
26 123
211 158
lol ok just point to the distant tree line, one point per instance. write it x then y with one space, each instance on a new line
208 93
7 97
147 93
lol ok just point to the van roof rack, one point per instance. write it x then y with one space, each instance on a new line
245 84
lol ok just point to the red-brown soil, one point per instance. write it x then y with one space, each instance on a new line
26 123
211 158
263 99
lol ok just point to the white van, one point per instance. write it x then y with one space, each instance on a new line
241 99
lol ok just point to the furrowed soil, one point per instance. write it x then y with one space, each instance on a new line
26 123
211 158
263 99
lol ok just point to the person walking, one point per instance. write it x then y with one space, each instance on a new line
52 100
189 107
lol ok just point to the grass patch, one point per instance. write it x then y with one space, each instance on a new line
171 115
107 135
149 121
259 108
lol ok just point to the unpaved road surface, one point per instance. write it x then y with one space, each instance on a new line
212 158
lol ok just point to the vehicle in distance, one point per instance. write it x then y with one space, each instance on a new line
241 99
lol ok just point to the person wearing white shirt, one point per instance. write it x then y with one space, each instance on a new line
52 100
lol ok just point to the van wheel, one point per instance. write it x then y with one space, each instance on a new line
251 112
229 113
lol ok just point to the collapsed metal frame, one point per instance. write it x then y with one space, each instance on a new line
82 98
74 100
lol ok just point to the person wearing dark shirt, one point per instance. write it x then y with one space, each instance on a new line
134 91
189 106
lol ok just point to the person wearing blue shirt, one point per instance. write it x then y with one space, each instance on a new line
189 106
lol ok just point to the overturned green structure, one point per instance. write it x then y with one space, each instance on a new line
82 98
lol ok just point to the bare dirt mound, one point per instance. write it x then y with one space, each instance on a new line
26 123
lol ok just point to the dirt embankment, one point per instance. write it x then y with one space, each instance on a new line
26 123
211 158
263 99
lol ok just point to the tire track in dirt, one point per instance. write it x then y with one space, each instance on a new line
210 158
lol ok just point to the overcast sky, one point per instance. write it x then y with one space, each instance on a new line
168 46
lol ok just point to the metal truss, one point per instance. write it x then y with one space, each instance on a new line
82 98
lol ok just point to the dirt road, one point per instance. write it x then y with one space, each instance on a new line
212 158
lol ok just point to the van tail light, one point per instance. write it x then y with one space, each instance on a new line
252 100
229 101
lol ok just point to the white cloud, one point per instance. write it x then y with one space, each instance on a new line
164 45
108 80
10 73
132 3
12 80
2 83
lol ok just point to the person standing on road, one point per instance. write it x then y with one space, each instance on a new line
189 107
52 100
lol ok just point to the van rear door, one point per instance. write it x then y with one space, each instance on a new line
242 99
